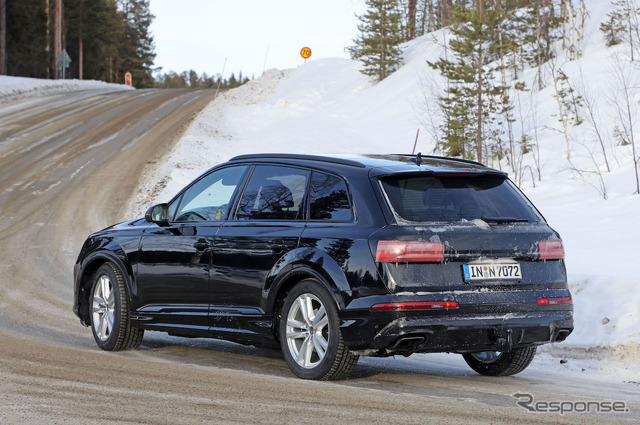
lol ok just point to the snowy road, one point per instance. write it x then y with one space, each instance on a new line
69 165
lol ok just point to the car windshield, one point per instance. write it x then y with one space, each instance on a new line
433 198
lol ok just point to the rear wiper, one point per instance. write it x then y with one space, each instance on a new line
503 219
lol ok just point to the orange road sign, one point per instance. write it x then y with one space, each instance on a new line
127 79
305 52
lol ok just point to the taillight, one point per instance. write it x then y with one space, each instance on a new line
555 301
409 252
420 305
551 249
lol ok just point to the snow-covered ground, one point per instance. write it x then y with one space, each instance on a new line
327 106
20 87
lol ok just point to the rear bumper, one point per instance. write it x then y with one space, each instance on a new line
470 328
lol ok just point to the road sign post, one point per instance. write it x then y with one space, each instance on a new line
64 60
305 52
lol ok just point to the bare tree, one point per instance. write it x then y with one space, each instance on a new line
536 136
516 157
630 10
432 16
563 17
623 24
555 74
529 134
601 187
569 13
626 108
592 117
633 26
582 16
428 112
539 47
411 19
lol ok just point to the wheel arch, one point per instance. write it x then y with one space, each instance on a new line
306 266
89 266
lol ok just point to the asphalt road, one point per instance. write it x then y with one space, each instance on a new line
69 165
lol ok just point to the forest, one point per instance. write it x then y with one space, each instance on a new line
103 38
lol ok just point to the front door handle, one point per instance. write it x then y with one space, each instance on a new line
201 245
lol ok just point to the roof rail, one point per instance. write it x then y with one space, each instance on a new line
468 161
300 157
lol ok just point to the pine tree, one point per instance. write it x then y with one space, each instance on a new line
3 37
26 43
381 33
622 25
136 49
193 80
472 100
95 28
612 29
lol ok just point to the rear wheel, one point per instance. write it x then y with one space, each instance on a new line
110 322
310 335
500 363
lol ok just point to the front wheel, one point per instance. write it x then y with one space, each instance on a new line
310 335
500 363
110 322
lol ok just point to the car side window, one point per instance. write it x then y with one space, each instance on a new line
274 193
208 199
329 198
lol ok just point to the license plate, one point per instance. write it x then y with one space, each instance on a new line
475 272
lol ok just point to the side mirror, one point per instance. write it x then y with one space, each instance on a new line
158 214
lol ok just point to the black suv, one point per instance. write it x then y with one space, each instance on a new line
336 257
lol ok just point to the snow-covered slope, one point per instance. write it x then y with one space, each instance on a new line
19 87
327 106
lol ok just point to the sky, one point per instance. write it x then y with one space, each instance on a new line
252 35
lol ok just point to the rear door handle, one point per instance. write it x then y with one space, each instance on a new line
201 245
278 246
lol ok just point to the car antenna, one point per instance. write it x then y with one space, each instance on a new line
417 159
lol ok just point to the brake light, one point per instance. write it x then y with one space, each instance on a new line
409 252
456 174
551 249
421 305
555 301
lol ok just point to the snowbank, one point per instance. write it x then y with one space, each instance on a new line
19 87
327 106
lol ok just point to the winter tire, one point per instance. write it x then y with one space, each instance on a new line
109 303
310 334
497 363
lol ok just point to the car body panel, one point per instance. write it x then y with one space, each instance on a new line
172 277
247 257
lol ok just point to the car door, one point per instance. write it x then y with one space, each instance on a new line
264 229
174 261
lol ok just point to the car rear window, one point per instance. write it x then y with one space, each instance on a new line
429 198
329 198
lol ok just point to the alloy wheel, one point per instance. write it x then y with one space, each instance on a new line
487 356
307 331
103 308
